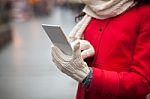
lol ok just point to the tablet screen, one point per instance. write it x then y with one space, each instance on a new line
58 38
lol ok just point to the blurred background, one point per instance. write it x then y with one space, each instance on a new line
26 69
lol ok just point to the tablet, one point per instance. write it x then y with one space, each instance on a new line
58 38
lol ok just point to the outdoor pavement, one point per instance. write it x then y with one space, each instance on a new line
26 68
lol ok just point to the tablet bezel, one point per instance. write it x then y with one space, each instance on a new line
58 38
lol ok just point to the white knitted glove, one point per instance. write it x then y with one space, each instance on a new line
73 66
86 48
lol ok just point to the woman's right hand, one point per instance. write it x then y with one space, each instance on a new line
87 49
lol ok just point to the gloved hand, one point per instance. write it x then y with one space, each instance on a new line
86 48
73 66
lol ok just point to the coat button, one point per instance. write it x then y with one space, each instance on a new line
109 95
101 29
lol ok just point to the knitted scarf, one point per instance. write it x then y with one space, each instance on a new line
100 9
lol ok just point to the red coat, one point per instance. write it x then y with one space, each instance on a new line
121 65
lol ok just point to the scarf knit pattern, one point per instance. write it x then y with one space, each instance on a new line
99 9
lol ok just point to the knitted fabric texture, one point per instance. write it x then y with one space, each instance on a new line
100 9
73 66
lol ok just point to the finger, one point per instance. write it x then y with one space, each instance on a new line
87 53
56 63
56 53
85 45
59 55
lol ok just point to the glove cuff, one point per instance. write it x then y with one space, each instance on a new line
80 75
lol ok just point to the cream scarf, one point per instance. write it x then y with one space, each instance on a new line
100 9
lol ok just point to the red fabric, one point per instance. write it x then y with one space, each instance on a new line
121 65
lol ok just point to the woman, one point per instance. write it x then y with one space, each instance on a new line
113 60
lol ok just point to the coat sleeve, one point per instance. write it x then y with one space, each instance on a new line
135 82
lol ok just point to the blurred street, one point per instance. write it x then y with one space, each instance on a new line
26 69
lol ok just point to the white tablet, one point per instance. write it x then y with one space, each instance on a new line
58 38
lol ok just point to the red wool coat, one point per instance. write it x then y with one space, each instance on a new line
121 65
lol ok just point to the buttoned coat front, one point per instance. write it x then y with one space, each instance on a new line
121 64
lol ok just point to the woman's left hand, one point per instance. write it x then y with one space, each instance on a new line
74 66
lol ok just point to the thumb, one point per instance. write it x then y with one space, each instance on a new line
76 47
